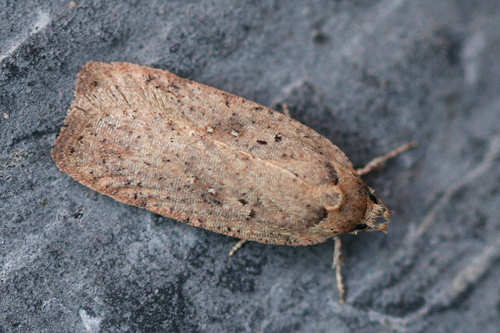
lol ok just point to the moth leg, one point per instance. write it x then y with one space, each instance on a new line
338 260
237 246
379 162
286 110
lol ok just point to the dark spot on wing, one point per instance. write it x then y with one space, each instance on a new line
332 174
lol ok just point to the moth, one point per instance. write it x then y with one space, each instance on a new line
205 157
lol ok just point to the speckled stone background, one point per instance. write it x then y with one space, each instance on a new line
369 75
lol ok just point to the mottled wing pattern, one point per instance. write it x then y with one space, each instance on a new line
197 154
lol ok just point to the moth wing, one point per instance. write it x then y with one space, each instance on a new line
197 154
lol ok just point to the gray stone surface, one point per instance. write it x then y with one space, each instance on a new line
369 75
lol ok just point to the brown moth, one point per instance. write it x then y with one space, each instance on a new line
187 151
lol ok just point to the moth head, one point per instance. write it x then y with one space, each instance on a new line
377 215
350 207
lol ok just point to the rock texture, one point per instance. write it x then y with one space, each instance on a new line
367 75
